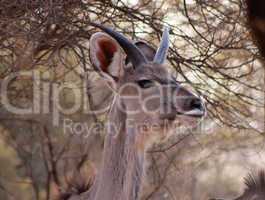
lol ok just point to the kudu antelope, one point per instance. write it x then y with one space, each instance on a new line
256 22
146 96
255 188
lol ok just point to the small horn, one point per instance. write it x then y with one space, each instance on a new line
134 54
161 53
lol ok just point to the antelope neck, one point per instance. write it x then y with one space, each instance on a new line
122 168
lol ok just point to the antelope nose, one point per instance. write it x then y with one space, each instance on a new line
195 103
195 107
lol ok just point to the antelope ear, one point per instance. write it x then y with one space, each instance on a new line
146 49
106 55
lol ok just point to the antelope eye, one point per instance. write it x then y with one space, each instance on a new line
145 83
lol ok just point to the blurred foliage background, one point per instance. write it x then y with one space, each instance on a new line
211 51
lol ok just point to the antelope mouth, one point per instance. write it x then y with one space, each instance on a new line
196 113
196 109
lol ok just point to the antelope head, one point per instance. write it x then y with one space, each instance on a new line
146 92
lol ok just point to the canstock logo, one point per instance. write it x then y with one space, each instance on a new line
160 100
